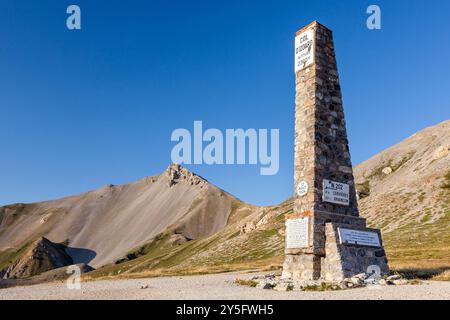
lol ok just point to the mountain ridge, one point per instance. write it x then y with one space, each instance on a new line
113 219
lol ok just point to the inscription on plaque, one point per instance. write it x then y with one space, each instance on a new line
363 238
297 233
302 188
304 49
336 192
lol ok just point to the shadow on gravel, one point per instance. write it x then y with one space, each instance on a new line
425 274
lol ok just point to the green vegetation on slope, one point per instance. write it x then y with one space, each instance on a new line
419 243
9 256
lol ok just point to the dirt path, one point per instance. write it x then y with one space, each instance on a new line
218 286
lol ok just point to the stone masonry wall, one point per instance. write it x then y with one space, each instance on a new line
332 154
321 145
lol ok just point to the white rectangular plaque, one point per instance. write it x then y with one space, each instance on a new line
336 192
363 238
304 49
297 233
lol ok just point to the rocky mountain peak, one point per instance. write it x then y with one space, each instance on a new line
176 173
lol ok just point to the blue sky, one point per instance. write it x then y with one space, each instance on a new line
81 109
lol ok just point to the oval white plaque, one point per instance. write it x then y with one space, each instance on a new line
302 188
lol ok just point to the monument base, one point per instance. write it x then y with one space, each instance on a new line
346 260
301 267
335 260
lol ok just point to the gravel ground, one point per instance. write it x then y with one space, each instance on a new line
217 286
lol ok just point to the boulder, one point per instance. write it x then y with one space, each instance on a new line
266 284
382 282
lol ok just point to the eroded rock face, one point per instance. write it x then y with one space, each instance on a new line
441 152
43 255
248 227
176 173
177 239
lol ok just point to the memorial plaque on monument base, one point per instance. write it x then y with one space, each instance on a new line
358 237
297 233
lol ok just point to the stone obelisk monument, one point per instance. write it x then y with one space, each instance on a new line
325 237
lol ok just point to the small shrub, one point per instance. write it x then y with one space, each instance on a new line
425 218
322 287
243 282
421 197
